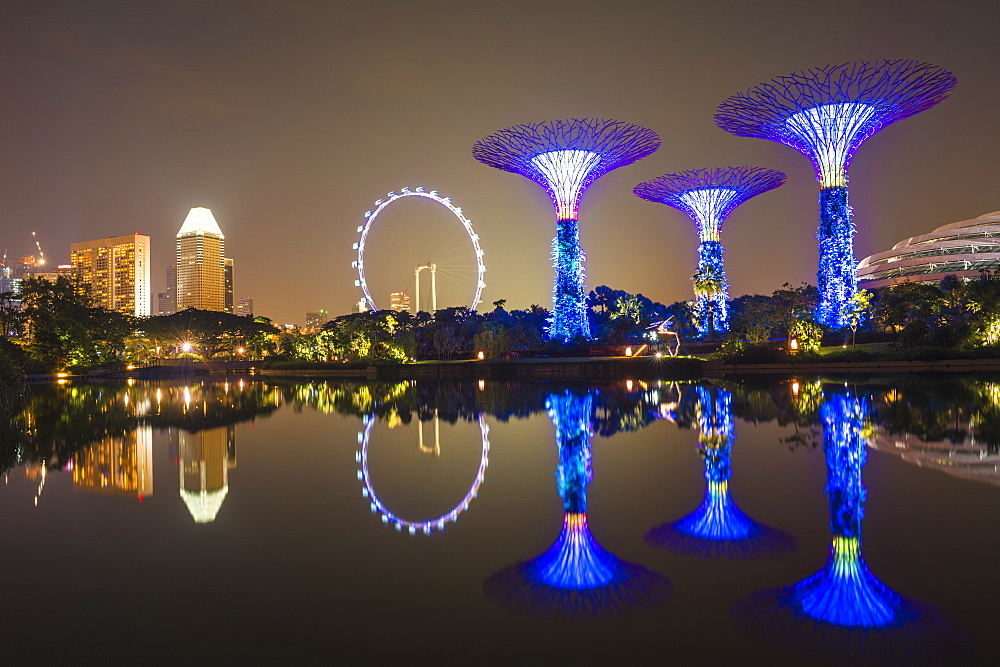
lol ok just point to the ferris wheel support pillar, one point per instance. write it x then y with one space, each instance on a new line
434 294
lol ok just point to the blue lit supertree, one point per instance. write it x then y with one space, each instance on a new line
718 527
576 577
565 157
827 113
708 196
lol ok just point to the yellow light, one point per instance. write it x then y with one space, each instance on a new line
481 355
240 350
482 385
628 351
186 347
62 375
628 385
793 344
130 367
795 388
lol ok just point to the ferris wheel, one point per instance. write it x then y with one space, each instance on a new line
380 206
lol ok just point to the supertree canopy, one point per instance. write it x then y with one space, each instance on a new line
565 157
718 527
708 196
576 576
827 113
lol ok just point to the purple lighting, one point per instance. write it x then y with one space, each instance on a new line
708 196
826 113
565 157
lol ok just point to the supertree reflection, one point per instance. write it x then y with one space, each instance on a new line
576 577
845 592
718 527
844 607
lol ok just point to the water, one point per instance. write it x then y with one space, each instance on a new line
778 520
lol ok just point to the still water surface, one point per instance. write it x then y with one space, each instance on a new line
783 520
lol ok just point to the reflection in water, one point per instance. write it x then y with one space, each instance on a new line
426 526
718 527
118 465
204 470
844 607
845 592
576 577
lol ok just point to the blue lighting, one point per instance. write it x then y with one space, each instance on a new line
711 312
565 157
845 592
837 277
569 293
826 113
718 527
708 196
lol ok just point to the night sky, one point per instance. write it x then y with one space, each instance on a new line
289 119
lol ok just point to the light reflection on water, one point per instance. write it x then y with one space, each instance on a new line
286 528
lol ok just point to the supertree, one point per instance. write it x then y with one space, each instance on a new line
718 527
565 157
827 113
708 196
576 577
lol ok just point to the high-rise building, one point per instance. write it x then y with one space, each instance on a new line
201 252
228 267
399 301
315 320
167 301
244 307
116 271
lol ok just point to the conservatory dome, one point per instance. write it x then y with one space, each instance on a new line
964 249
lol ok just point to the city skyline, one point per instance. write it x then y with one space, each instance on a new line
114 127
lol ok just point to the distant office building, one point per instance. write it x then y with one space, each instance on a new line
399 301
316 320
117 465
166 302
116 271
201 272
229 284
964 249
361 306
244 307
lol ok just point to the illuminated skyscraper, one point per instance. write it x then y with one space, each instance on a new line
399 301
117 272
201 272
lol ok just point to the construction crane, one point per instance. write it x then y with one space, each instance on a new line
41 253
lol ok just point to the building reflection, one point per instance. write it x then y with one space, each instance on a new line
576 577
718 527
118 465
204 462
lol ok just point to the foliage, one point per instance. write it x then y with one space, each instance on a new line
808 334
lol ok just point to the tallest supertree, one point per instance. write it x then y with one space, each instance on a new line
565 157
827 113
